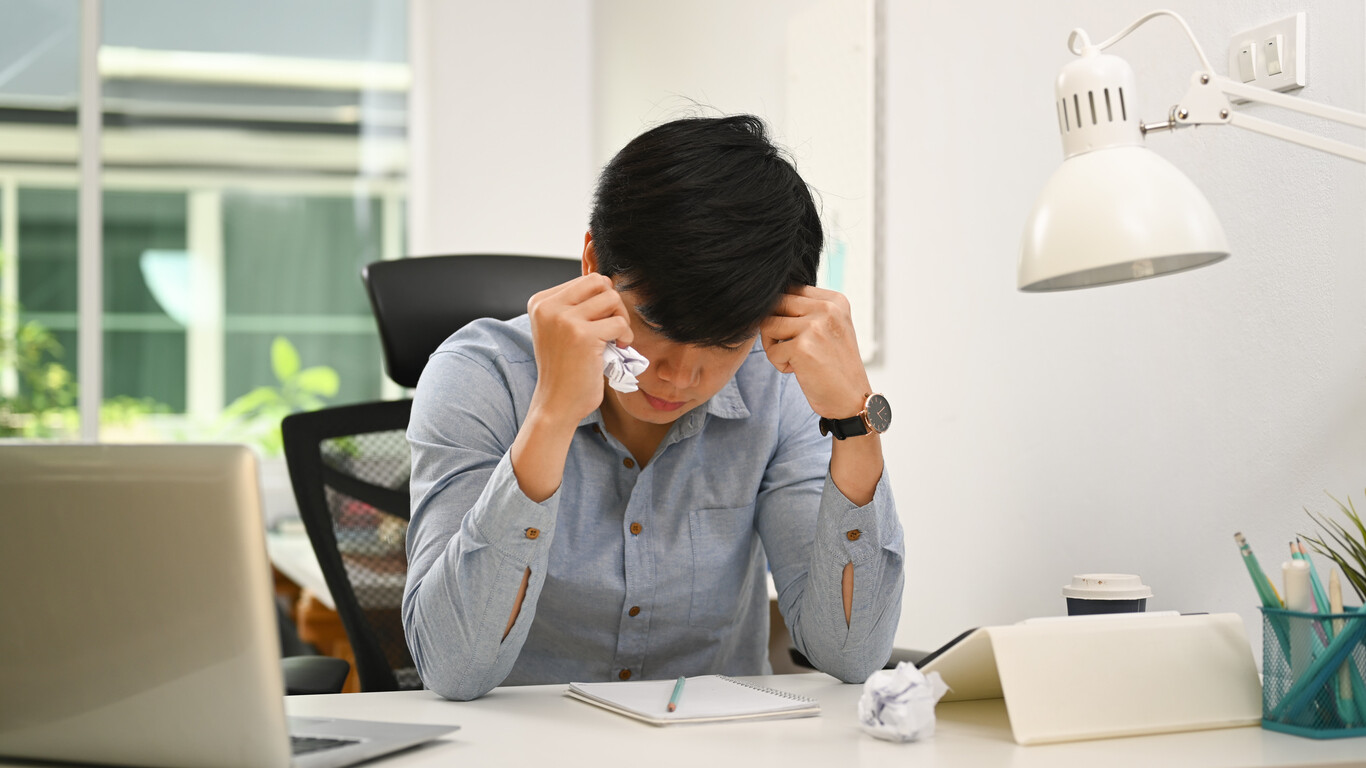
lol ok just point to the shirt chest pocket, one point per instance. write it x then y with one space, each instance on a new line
722 550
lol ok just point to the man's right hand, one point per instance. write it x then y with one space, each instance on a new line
570 323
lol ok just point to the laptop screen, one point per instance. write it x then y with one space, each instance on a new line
137 622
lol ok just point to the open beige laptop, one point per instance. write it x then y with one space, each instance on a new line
136 624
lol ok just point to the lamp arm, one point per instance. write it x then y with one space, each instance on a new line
1206 103
1252 93
1296 136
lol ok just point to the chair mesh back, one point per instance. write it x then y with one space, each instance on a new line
349 466
371 541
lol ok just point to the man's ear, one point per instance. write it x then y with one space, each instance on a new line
590 256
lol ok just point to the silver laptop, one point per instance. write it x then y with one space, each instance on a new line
136 622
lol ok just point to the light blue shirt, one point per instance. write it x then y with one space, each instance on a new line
641 573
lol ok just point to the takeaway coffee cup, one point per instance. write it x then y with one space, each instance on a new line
1091 593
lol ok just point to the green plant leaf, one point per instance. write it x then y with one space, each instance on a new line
319 380
284 359
254 400
1343 549
273 443
307 402
1355 578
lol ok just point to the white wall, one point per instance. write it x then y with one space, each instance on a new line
1130 428
658 60
500 126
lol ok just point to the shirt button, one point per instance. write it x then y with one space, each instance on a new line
636 528
629 463
624 674
532 533
854 534
635 610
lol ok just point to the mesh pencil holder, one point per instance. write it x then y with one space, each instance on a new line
1314 673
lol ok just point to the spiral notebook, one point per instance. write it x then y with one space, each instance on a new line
705 699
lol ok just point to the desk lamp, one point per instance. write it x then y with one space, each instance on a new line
1115 211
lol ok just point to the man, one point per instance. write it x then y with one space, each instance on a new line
562 530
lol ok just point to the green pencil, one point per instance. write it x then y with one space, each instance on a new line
678 693
1265 589
1320 594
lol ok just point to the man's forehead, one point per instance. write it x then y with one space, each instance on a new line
638 302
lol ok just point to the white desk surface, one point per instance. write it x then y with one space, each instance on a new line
540 726
292 554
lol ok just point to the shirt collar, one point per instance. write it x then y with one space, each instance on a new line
728 404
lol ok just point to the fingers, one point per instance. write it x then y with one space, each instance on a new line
599 305
791 305
778 328
589 302
605 313
808 299
585 286
573 291
809 328
779 354
613 328
804 309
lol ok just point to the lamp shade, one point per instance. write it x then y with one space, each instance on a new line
1115 210
1113 215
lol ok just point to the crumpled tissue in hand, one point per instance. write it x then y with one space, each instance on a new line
621 366
898 704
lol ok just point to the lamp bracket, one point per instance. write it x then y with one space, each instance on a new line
1204 103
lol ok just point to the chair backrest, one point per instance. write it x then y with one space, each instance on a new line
419 302
349 466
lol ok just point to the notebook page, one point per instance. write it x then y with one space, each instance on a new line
707 696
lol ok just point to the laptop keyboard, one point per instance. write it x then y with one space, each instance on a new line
303 745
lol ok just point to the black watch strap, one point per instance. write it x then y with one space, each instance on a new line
842 428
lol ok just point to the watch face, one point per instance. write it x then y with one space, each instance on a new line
879 413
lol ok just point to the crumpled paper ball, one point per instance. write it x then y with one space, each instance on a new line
621 366
898 704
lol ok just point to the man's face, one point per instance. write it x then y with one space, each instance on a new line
680 377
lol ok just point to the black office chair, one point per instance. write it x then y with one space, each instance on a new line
419 302
349 465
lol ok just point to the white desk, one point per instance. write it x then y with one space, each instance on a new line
292 554
539 726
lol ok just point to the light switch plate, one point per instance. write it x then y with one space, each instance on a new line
1289 34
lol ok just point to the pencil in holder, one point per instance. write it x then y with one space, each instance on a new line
1314 673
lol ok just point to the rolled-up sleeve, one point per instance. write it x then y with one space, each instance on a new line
811 531
473 532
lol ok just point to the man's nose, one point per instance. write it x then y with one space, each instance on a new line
680 365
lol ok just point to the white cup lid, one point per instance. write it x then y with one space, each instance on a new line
1107 586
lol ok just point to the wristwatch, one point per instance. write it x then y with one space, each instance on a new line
876 416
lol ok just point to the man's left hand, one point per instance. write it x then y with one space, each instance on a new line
811 334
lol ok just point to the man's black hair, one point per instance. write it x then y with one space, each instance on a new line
709 223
